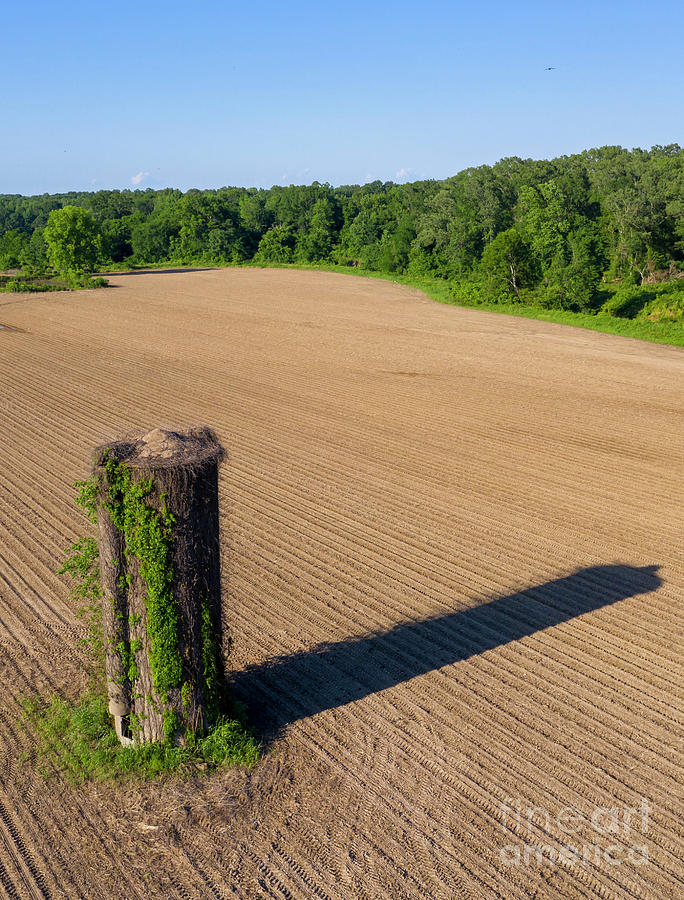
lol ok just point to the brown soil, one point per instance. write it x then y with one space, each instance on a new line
441 528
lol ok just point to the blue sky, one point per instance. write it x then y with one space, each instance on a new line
154 94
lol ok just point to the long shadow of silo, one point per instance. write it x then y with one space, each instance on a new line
286 688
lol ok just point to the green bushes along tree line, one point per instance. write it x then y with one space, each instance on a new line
601 230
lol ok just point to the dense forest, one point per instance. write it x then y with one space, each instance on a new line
551 233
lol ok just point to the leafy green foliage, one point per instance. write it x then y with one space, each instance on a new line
229 742
127 656
665 307
38 284
147 536
80 742
170 725
276 246
627 301
317 241
73 241
507 264
83 565
86 498
13 249
210 664
651 303
116 239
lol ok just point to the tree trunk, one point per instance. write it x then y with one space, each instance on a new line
178 473
513 280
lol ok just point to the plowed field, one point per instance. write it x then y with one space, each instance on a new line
452 575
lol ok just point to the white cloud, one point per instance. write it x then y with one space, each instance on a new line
136 179
295 178
402 173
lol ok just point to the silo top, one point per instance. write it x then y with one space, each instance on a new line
164 448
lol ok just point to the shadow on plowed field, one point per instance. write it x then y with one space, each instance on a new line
333 674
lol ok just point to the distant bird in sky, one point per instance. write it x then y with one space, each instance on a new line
549 68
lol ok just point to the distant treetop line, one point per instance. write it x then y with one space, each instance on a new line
549 232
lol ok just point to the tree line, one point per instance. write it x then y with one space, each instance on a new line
548 232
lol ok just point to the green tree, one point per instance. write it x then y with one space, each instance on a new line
395 246
73 241
116 239
209 230
507 263
573 283
151 239
453 229
13 247
317 241
35 258
276 246
554 217
367 217
255 219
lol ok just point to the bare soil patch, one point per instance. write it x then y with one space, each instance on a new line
452 571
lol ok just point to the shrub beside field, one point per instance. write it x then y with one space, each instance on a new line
79 741
648 312
38 284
